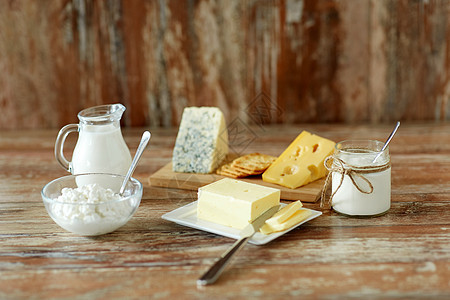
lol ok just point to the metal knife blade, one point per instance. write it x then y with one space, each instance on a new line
254 227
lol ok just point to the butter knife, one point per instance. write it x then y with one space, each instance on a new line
217 268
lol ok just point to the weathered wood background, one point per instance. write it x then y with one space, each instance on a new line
300 61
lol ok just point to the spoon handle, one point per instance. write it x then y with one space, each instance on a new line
390 136
387 141
144 141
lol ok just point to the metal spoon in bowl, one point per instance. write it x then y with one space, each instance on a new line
387 142
144 141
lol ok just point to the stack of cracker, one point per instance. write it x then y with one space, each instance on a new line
247 165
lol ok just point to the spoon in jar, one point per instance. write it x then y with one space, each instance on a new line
387 142
144 141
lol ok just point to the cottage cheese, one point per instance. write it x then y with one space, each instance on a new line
91 210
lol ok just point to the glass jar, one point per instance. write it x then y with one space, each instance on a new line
361 187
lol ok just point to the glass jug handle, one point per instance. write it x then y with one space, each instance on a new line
59 145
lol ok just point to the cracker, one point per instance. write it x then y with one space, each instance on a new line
247 171
228 170
247 165
230 174
255 162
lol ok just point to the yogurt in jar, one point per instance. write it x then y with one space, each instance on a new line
361 187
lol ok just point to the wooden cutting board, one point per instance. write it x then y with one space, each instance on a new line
165 177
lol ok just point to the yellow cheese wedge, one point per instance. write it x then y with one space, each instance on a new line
296 218
301 162
284 213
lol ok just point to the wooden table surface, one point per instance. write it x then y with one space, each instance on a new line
403 254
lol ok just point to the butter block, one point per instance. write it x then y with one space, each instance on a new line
284 213
234 203
294 219
301 162
202 141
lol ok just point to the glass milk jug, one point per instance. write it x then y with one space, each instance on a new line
100 147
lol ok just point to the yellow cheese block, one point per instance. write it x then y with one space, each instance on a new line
234 203
301 162
294 219
284 213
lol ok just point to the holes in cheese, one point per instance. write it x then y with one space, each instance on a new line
289 170
313 170
301 162
298 151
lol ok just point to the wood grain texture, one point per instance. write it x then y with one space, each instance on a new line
267 61
404 254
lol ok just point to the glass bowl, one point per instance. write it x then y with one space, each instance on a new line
87 210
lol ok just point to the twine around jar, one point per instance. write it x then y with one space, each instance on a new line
352 172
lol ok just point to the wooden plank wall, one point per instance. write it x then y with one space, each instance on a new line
301 61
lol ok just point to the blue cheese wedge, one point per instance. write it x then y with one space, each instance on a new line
234 203
202 141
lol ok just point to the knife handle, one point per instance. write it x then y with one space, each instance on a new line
217 268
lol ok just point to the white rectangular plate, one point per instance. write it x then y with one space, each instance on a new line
187 216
